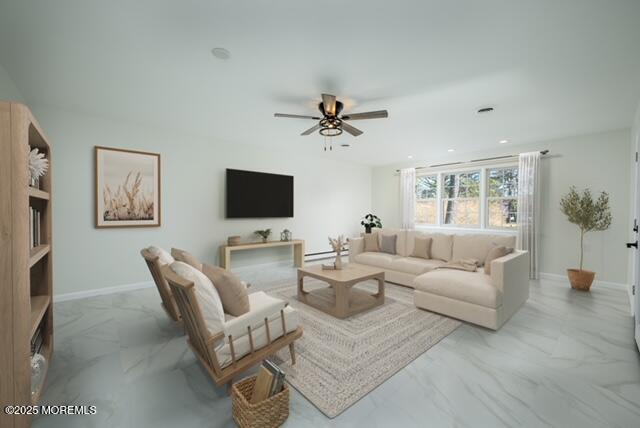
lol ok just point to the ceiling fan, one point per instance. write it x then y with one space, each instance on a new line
331 124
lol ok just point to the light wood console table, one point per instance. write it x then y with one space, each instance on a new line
297 244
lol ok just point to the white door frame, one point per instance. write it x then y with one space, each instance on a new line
636 253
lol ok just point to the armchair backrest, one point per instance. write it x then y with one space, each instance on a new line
163 288
200 339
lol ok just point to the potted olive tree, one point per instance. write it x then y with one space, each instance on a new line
370 221
590 216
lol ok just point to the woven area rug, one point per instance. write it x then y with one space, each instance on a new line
340 361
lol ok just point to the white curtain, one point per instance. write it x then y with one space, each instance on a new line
408 197
529 208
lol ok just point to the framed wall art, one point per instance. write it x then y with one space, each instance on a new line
127 188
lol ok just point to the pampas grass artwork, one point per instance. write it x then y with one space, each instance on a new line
128 202
128 187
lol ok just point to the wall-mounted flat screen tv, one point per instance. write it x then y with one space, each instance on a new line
253 194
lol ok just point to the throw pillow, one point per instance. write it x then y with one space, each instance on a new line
232 291
495 253
422 247
185 257
389 244
164 258
208 298
371 242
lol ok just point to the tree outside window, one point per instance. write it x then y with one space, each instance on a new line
502 197
427 199
461 198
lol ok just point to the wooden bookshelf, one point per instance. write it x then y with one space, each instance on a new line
26 274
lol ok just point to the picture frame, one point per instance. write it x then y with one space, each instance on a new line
128 190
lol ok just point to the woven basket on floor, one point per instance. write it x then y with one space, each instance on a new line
268 413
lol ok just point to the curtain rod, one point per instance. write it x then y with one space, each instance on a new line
542 152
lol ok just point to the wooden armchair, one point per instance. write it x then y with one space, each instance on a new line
168 302
203 343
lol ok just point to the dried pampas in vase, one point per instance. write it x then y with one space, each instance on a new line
38 166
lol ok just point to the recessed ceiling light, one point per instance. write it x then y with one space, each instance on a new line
410 157
485 110
451 150
221 53
503 141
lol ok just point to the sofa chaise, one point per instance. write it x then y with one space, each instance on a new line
485 299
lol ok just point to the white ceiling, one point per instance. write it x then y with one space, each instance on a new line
551 68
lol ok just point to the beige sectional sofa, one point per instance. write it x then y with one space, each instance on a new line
486 300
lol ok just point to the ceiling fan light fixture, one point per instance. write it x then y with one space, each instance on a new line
330 132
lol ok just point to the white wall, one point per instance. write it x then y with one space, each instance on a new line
8 90
330 198
599 161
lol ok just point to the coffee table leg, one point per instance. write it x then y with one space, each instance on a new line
380 294
342 300
301 292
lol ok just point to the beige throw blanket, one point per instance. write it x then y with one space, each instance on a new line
469 265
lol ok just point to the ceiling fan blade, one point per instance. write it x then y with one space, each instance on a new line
379 114
329 103
350 129
311 130
296 116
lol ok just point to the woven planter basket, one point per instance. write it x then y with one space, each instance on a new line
268 413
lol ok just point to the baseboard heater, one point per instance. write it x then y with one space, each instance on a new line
309 257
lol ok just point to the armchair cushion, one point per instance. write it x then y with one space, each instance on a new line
188 258
164 258
262 306
210 304
232 291
241 344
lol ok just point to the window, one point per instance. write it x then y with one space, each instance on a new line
427 199
461 198
502 197
484 198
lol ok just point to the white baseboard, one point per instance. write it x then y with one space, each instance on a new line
101 291
564 279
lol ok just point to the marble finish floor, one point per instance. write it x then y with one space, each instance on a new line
566 359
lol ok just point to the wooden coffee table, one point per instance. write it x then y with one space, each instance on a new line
344 300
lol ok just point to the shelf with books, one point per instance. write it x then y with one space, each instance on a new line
26 283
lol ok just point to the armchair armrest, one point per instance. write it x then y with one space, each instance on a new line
262 306
356 246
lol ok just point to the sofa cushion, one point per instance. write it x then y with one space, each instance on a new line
388 243
401 241
414 265
371 242
206 294
477 246
495 253
470 287
441 245
421 247
382 260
